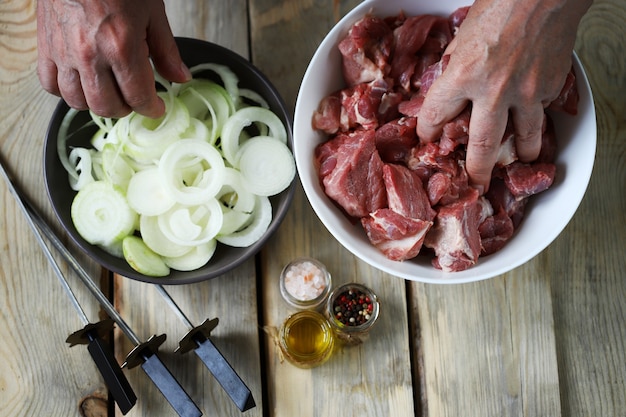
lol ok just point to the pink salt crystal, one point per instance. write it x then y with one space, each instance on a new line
305 281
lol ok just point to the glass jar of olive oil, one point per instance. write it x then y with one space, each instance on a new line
306 339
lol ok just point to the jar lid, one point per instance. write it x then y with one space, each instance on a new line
305 283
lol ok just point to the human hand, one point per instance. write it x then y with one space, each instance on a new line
95 54
509 59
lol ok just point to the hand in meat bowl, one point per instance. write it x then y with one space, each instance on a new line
420 192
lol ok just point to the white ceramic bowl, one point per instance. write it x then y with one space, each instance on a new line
547 213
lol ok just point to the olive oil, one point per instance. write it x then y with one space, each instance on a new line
306 339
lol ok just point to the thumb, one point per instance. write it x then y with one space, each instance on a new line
164 51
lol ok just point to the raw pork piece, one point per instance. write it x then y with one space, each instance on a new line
419 38
524 180
406 194
353 107
399 231
366 51
395 139
398 237
454 237
350 170
494 232
502 199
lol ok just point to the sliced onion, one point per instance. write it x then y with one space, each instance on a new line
196 258
243 118
192 225
146 194
254 97
62 143
157 241
262 217
237 202
145 131
266 165
115 166
182 154
101 214
80 159
229 78
142 259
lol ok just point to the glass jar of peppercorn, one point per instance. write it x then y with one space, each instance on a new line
352 309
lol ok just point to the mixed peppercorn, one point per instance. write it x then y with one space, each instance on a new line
353 307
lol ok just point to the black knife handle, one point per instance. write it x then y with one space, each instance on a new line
116 381
169 387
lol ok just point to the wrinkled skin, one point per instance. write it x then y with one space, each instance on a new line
509 57
95 54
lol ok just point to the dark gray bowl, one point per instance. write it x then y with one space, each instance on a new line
193 52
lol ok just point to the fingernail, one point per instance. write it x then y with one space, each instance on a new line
185 71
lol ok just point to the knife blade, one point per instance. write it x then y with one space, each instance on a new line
198 340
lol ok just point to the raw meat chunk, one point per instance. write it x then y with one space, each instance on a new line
351 172
366 51
350 108
454 237
524 180
405 193
394 140
398 237
495 231
427 34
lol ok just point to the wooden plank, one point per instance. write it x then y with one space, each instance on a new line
370 380
587 263
39 374
231 297
488 347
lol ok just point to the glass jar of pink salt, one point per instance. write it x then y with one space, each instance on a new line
305 283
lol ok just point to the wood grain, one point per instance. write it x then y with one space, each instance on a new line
587 263
39 374
488 346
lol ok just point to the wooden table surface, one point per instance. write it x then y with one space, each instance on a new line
546 339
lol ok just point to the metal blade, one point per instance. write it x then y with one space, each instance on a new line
225 374
197 339
169 387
